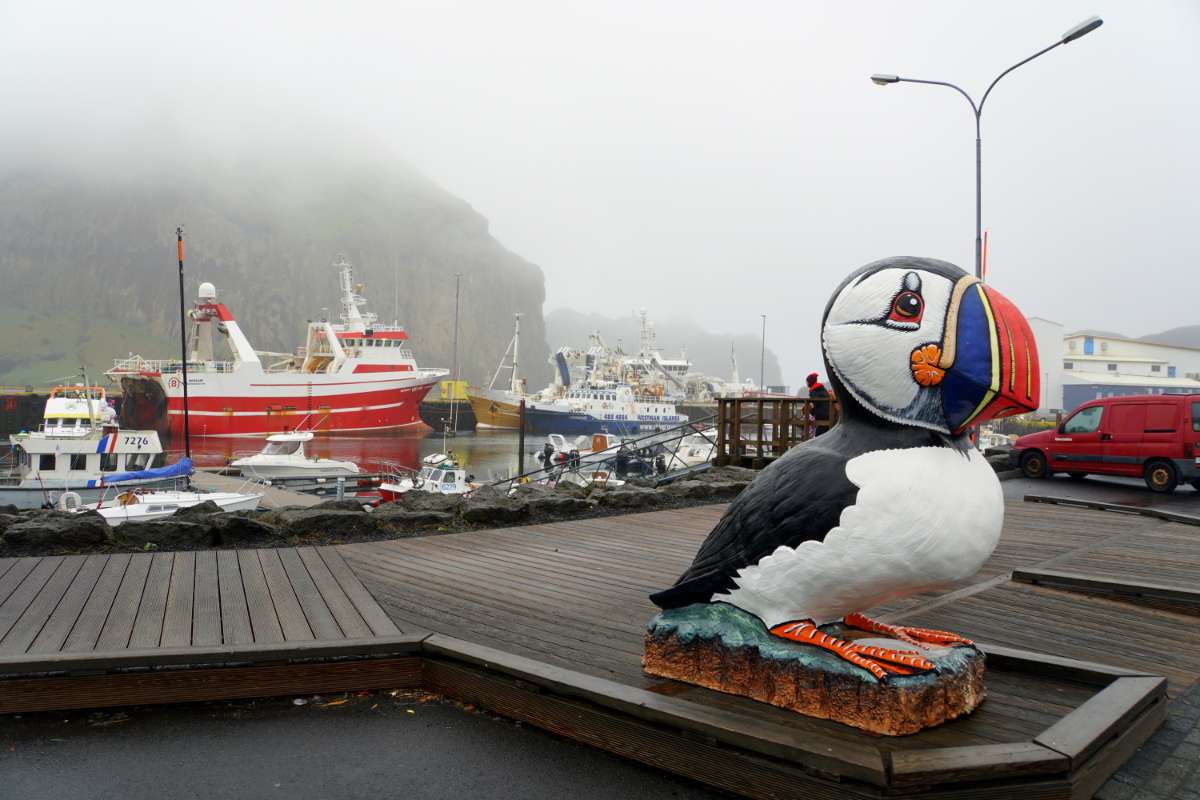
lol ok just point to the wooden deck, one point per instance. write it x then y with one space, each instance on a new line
545 623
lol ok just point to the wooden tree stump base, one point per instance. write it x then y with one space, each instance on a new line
720 647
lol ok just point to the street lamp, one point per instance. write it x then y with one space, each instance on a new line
762 357
1080 30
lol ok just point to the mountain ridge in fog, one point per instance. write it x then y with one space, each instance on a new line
89 259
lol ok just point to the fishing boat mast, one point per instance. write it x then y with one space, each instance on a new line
183 355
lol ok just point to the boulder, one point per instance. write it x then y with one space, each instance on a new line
56 532
559 506
349 504
198 510
7 520
431 501
237 529
630 498
9 509
398 519
313 521
170 533
711 490
490 508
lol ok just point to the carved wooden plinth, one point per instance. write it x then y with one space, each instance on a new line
720 647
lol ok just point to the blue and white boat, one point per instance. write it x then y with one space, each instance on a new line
602 408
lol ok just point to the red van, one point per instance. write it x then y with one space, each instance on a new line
1155 437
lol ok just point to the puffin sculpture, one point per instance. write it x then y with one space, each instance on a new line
894 500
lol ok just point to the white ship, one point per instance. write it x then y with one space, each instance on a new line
356 375
79 448
283 457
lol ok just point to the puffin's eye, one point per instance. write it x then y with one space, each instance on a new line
907 308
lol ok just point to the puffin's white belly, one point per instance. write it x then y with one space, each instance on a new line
923 517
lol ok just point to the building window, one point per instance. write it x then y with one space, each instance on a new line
1170 372
1156 368
1112 367
1068 365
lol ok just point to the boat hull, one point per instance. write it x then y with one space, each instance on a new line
545 422
495 410
36 497
219 406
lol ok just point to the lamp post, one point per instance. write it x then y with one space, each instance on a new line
1080 30
762 357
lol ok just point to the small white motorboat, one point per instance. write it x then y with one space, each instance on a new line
440 474
284 457
135 505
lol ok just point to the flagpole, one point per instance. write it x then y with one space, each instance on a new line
187 442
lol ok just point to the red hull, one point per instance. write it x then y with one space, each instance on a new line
260 416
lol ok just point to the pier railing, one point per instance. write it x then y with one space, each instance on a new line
754 431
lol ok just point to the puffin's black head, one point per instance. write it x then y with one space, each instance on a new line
920 342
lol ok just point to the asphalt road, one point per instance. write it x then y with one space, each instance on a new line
1124 491
375 746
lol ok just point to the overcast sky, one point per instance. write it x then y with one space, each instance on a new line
714 160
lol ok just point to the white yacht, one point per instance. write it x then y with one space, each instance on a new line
284 457
133 505
440 474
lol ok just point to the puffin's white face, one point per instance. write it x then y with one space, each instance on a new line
920 342
874 326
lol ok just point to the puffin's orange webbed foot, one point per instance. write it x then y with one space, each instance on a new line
905 633
879 661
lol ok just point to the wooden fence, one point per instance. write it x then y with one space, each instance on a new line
754 431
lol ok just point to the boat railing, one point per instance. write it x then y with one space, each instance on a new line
165 366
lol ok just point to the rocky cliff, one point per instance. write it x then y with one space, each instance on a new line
89 271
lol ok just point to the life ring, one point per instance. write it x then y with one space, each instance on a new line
69 501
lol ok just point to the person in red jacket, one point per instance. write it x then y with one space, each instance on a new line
822 402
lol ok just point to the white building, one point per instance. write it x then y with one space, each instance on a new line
1097 364
1050 347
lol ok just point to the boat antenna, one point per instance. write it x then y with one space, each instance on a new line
454 385
187 441
87 393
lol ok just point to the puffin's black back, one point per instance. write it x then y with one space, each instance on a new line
801 496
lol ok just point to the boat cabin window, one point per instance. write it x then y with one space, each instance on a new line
159 460
108 462
47 462
79 461
427 473
281 448
136 461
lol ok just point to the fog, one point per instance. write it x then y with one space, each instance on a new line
715 161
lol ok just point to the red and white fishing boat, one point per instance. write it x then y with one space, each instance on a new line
353 375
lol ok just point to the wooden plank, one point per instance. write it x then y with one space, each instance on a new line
22 695
206 601
95 661
177 619
1081 733
291 617
15 576
1156 513
148 625
1018 660
95 612
987 762
315 611
375 617
26 628
119 625
1088 779
1107 586
24 593
6 565
261 608
58 627
235 617
347 617
861 762
698 759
